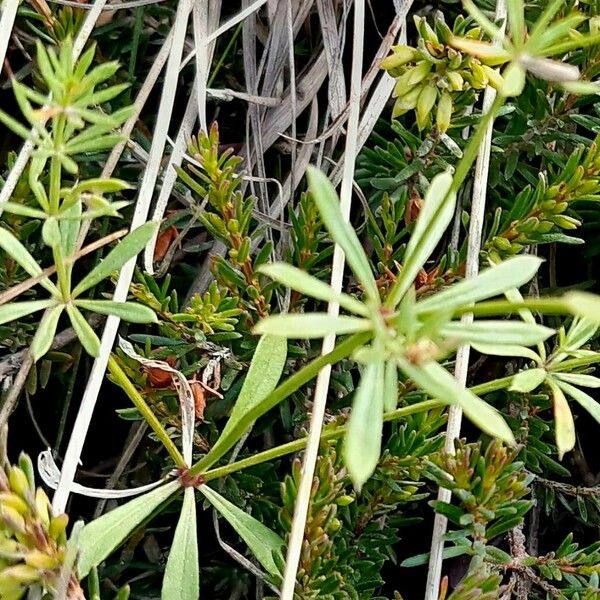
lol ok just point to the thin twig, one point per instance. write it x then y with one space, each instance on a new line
15 390
7 20
322 385
462 356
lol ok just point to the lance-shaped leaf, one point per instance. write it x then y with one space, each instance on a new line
500 332
496 280
44 336
182 573
343 234
13 247
564 426
308 285
126 249
440 384
579 379
16 310
102 536
362 444
310 325
263 542
86 335
580 332
262 378
434 218
128 311
506 350
581 398
69 226
528 380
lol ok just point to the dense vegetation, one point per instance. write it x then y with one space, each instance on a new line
268 401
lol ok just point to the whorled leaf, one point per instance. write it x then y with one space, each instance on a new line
432 222
103 535
343 234
128 311
126 249
362 443
262 541
304 283
436 381
511 273
528 380
182 573
262 378
564 425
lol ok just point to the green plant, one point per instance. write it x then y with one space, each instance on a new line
67 124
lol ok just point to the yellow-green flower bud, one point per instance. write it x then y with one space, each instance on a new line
18 481
58 526
10 499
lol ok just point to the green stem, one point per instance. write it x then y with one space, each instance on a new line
223 55
470 153
146 412
62 273
55 165
548 306
280 393
300 444
336 432
492 386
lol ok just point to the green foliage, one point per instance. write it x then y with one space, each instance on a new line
489 487
229 409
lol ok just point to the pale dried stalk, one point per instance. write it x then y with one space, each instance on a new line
170 176
322 386
7 20
333 54
462 356
159 139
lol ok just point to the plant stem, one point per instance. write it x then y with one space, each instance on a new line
492 386
58 128
223 55
146 412
336 432
548 306
300 444
280 393
401 285
472 149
